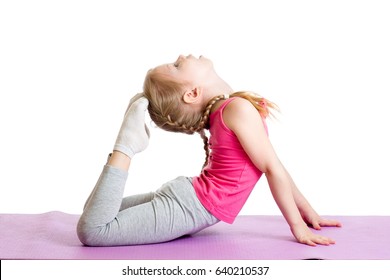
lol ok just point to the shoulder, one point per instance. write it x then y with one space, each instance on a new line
245 121
239 105
239 102
239 112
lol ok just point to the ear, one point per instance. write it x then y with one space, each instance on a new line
192 96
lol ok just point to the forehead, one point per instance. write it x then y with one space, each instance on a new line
163 69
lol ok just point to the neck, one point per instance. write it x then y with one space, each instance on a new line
215 90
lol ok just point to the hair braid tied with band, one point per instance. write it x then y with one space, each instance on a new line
204 124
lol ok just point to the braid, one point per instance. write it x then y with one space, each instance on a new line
205 147
261 104
204 124
179 127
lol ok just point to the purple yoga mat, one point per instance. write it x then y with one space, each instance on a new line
52 235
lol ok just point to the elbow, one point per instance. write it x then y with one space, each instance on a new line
268 169
273 171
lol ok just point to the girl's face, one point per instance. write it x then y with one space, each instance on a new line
188 70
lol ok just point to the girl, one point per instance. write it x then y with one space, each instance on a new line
188 96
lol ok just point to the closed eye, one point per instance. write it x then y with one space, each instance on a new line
177 63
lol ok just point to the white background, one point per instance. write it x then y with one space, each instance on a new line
68 69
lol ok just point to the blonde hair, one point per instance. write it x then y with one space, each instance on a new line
166 108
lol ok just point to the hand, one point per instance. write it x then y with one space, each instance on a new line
304 235
312 219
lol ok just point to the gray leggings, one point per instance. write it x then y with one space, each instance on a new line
109 219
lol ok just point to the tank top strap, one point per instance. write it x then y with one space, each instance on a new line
224 104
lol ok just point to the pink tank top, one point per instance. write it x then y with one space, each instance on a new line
230 176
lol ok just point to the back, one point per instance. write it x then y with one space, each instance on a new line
230 176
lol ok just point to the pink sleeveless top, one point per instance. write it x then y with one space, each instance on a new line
230 176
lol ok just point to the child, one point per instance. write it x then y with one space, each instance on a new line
188 96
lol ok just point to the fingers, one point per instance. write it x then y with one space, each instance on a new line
316 225
329 223
309 242
324 240
305 236
315 240
324 223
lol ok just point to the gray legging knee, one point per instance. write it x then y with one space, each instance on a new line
109 219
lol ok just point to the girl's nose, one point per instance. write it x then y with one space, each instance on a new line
180 58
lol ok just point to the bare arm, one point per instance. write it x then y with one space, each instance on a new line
308 214
245 121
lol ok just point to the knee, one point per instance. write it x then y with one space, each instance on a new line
86 234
